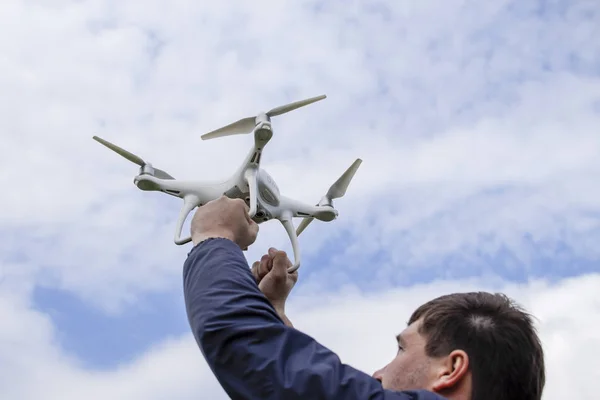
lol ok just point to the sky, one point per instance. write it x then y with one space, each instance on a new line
477 123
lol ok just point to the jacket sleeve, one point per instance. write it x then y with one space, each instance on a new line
253 354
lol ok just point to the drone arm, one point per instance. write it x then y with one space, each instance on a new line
286 221
189 202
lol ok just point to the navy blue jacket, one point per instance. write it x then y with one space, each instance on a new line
253 354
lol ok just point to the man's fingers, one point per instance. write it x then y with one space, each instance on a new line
294 276
241 204
261 268
255 267
281 263
265 266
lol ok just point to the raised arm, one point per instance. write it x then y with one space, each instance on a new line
253 354
275 281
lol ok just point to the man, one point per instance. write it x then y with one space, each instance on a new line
463 346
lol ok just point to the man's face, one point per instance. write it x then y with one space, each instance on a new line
411 368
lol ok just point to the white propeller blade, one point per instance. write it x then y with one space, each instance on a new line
124 153
305 222
159 173
292 106
246 125
337 190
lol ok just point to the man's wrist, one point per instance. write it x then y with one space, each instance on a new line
280 310
221 234
286 320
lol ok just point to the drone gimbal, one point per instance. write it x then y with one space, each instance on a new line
250 182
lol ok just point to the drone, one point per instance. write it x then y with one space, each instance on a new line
250 182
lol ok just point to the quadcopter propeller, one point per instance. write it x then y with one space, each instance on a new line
158 173
337 190
246 125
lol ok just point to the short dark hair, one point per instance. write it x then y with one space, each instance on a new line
505 354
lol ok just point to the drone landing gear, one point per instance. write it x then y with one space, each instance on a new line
189 203
251 178
286 221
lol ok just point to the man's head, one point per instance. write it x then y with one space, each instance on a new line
469 346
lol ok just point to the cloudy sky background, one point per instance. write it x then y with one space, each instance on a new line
477 123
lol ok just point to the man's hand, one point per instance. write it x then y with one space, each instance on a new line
224 218
274 280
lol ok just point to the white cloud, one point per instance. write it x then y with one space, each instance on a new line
477 123
359 327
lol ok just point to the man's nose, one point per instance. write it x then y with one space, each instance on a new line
379 374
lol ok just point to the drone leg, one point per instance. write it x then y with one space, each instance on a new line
286 221
189 202
250 175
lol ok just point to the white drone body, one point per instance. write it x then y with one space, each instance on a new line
250 182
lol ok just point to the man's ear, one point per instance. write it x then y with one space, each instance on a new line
453 369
